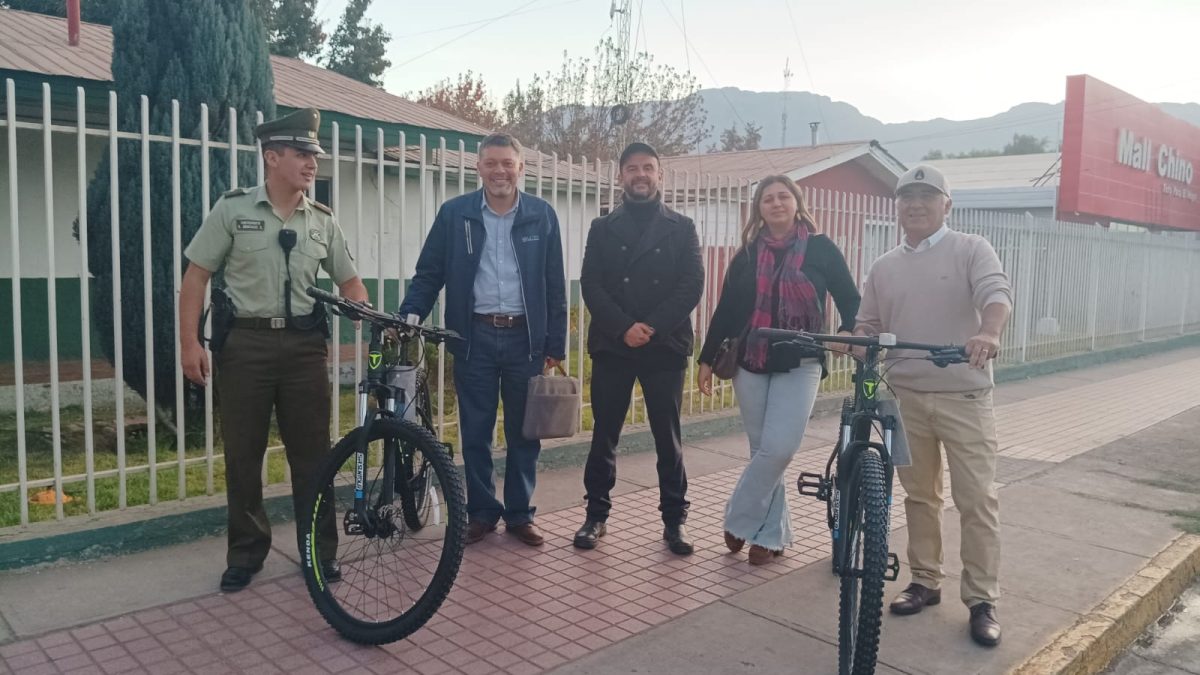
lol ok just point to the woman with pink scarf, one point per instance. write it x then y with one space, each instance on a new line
779 278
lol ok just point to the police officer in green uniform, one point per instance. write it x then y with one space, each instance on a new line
269 241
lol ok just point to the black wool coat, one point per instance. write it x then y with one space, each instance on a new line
646 270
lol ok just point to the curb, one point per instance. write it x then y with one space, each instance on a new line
1102 634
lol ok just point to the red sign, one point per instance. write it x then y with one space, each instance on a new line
1126 160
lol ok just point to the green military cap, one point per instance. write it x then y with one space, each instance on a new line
298 130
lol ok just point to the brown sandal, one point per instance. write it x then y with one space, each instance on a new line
762 556
733 543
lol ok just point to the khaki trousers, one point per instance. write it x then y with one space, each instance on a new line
964 424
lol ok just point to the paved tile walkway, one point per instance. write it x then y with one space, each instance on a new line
520 610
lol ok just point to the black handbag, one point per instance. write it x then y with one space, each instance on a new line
725 363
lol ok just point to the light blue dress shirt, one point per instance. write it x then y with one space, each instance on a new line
498 281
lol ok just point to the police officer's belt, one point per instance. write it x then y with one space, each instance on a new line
260 323
500 320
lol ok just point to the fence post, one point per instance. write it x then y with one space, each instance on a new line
1094 296
1183 297
1025 276
1145 291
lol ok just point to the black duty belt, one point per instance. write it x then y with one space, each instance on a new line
260 323
500 320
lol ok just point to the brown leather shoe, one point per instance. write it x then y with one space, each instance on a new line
733 543
914 598
761 556
528 533
477 530
985 627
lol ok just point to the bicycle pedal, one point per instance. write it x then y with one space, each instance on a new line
893 568
814 485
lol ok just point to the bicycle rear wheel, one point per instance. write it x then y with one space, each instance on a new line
861 606
394 577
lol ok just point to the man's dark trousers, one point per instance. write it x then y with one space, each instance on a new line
612 388
498 367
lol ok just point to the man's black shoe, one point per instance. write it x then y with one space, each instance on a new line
331 570
587 535
985 626
914 598
236 578
677 540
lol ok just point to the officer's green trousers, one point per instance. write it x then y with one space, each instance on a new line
257 371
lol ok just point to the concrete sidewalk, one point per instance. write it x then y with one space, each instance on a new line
1093 464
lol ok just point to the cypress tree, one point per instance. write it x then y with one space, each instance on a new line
193 51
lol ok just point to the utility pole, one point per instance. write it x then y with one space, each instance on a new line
619 13
813 126
787 83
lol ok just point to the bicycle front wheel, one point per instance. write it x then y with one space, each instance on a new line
861 607
394 577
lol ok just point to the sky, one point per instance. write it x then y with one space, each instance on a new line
895 60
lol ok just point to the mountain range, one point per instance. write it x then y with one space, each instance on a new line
908 141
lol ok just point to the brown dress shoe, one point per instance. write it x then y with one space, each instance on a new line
761 556
733 543
528 533
985 627
477 530
914 598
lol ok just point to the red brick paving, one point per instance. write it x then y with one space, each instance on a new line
516 609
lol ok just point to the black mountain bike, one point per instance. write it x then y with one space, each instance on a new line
857 486
389 504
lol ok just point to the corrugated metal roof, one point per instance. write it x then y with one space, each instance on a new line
751 165
299 84
533 159
37 43
1006 171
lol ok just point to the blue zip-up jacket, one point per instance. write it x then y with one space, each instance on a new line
451 257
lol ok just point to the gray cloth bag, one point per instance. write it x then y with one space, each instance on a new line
890 405
551 407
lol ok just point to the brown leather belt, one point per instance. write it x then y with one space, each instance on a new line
500 320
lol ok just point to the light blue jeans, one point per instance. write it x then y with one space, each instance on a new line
775 409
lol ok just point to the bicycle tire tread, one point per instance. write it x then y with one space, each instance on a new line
435 594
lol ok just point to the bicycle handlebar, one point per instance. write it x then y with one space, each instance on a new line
358 311
941 355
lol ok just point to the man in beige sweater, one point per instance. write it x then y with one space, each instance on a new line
941 286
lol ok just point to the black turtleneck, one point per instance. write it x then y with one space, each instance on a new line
642 210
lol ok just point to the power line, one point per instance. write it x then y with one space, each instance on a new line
452 40
804 61
699 57
487 20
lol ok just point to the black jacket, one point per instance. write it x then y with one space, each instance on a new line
824 266
642 272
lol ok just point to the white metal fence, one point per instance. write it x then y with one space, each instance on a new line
1077 288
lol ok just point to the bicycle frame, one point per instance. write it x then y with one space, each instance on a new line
386 396
854 439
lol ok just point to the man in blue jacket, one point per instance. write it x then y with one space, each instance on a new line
498 253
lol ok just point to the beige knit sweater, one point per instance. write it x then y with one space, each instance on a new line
934 296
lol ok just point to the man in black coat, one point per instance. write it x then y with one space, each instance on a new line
642 277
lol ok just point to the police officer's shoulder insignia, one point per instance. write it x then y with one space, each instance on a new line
321 207
235 192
